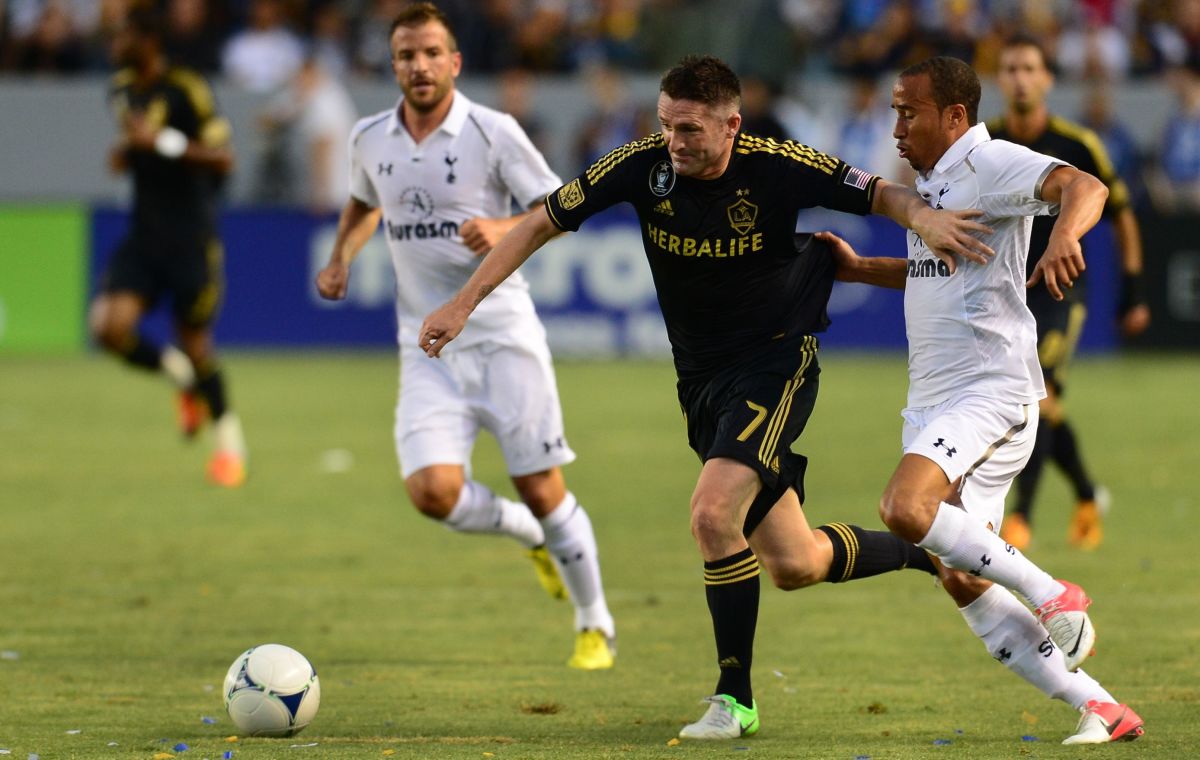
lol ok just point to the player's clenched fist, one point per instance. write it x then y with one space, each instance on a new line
332 281
441 327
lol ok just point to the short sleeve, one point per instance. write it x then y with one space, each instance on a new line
360 182
1010 180
522 168
819 179
606 183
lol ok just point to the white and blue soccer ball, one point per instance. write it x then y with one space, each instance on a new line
272 690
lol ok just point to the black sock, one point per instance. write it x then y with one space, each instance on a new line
211 388
143 353
1027 480
1065 451
732 588
859 553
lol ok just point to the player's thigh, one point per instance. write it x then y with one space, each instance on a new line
980 442
128 287
518 403
789 550
434 421
115 314
196 274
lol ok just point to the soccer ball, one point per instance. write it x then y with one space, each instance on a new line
272 690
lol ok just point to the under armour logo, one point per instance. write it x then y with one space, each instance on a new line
984 561
551 445
385 169
450 162
1003 655
950 450
565 560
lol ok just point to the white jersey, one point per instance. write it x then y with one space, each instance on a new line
473 165
970 331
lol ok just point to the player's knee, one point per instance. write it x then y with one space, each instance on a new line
901 512
109 333
433 497
794 573
712 525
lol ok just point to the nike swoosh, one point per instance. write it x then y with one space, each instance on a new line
1078 640
1113 727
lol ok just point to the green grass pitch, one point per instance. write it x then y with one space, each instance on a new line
128 585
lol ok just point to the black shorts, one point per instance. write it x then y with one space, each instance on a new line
187 268
1058 329
753 413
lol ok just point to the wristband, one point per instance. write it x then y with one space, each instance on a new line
170 143
1133 293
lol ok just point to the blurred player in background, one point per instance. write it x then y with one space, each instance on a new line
1025 79
974 381
177 147
742 296
443 171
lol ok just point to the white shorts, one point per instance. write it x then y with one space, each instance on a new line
507 390
984 441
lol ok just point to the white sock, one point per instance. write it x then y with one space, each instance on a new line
572 544
480 511
227 430
1014 636
177 367
964 543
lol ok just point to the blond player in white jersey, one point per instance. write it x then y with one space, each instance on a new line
443 173
975 382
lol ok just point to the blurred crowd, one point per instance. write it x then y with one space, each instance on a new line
299 54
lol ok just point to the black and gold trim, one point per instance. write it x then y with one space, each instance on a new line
747 144
609 161
740 567
767 449
845 551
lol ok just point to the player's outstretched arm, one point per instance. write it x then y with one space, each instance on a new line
1081 198
947 233
881 271
448 320
481 234
356 225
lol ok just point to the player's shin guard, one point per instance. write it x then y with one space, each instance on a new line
964 543
1015 638
572 544
211 387
859 553
480 511
732 588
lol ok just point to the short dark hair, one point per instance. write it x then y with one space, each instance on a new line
1023 40
422 13
953 82
704 79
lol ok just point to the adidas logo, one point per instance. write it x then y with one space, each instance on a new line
729 662
665 208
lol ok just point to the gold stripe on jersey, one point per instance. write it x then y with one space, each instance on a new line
766 450
747 144
741 571
852 549
1118 194
123 78
607 162
197 91
216 132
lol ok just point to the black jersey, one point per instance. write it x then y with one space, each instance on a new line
170 196
731 276
1083 149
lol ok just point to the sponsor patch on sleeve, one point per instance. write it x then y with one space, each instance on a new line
570 195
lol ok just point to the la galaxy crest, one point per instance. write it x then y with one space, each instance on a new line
662 178
571 195
742 213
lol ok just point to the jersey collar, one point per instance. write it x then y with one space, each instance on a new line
962 146
460 108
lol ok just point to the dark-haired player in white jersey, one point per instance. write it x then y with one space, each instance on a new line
742 296
975 382
443 172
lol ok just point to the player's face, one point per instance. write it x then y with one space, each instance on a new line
699 137
424 64
1023 78
922 131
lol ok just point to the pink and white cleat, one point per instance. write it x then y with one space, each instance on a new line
1104 722
1065 617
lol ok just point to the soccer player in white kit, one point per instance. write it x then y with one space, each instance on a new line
443 172
975 382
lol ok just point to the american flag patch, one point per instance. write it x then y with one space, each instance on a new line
857 178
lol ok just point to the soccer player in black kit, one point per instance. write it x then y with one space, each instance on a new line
741 295
177 147
1025 78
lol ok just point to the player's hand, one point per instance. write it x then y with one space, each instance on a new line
333 280
481 234
1135 321
1059 266
844 256
441 327
950 233
138 132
